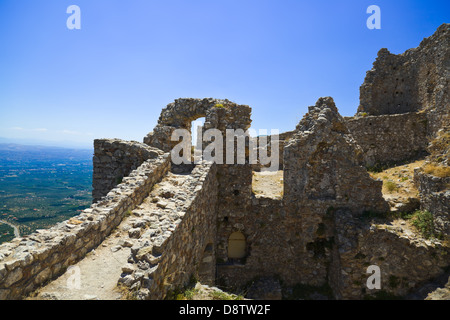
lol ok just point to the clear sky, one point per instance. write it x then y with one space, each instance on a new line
112 77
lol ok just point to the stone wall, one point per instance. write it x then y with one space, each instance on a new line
293 239
28 262
405 259
434 195
115 159
319 234
283 138
178 241
413 81
324 164
265 230
180 114
390 139
290 246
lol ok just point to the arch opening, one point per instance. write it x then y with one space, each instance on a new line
237 247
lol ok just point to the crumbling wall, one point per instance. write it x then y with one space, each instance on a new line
179 115
115 159
293 239
179 235
282 140
413 81
405 260
324 164
235 179
293 247
28 262
435 197
390 139
233 193
315 235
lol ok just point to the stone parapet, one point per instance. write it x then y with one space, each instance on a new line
29 262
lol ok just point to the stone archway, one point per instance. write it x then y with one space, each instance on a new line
179 115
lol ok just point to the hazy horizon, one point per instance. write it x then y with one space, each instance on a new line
47 143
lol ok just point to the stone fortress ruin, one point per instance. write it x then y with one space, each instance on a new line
330 223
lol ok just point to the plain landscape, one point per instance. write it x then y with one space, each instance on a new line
41 186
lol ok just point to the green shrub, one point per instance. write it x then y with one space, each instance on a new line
423 221
390 186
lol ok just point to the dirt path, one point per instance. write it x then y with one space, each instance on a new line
16 230
95 277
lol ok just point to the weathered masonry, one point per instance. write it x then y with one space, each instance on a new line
204 221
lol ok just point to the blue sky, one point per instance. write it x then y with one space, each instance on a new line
111 78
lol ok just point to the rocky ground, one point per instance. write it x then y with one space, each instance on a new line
98 273
401 193
398 186
268 184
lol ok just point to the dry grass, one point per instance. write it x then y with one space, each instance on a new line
399 181
268 184
437 170
75 221
125 292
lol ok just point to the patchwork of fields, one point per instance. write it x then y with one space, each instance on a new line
41 186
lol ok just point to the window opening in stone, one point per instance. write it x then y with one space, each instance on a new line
269 183
200 122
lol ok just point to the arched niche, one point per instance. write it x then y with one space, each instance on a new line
237 246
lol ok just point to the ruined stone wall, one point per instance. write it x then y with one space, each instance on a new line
323 164
416 80
293 239
179 115
435 197
182 221
390 139
30 261
178 241
293 247
235 180
406 260
115 159
262 226
282 140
